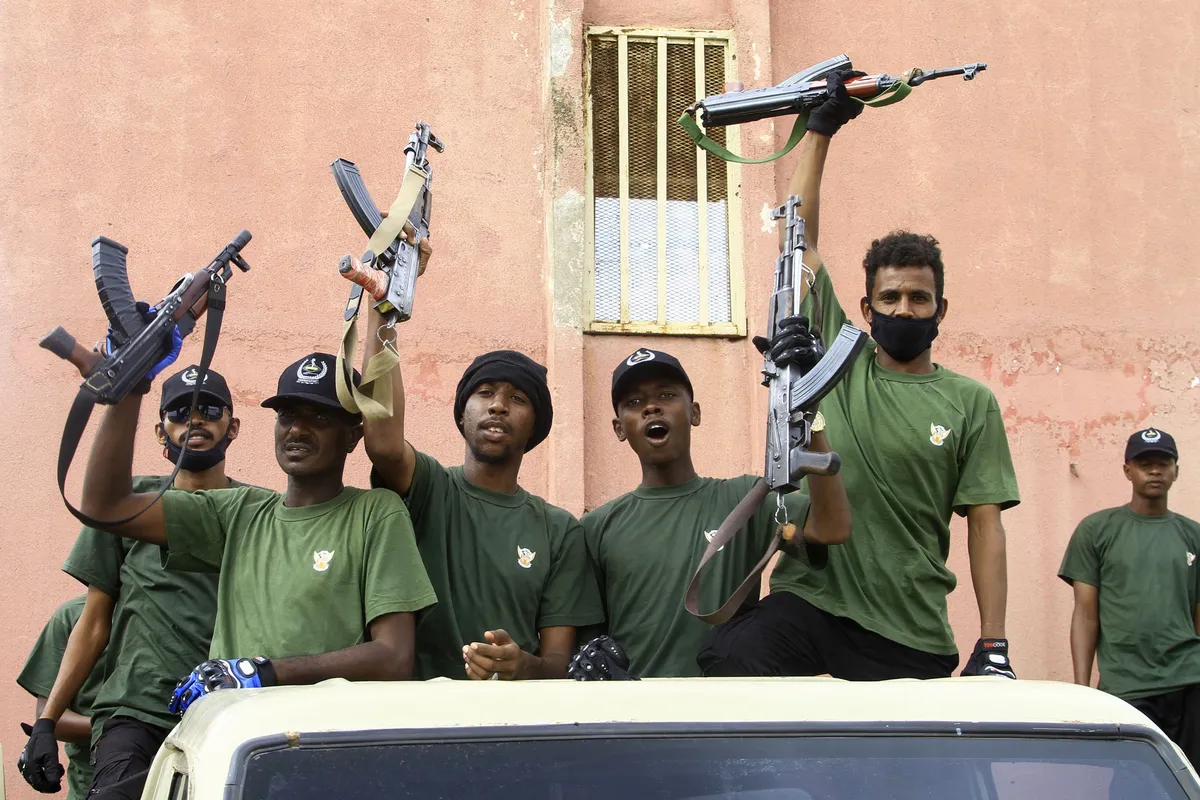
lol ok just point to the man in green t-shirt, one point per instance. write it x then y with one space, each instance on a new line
320 582
510 570
74 727
141 626
918 443
646 544
1137 596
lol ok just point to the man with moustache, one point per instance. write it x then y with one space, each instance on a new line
1137 596
918 443
510 569
646 544
155 623
322 581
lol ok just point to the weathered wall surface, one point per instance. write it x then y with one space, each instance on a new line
1061 199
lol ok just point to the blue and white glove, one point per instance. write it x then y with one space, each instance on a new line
148 313
219 673
990 657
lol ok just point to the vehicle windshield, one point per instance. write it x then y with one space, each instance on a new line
711 768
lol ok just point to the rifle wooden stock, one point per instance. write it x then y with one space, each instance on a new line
63 345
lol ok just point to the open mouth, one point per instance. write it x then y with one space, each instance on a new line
494 430
657 431
296 449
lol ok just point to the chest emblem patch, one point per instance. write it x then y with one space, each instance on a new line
938 434
321 559
710 535
1191 558
525 557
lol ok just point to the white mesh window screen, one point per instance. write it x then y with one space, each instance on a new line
661 215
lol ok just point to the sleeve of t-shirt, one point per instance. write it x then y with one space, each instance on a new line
832 315
593 524
197 528
571 596
395 578
95 560
1081 562
986 474
41 667
429 481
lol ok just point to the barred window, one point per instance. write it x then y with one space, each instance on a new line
664 232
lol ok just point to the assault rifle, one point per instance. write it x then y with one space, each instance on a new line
136 342
799 94
389 267
794 397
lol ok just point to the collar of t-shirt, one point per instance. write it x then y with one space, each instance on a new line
487 495
665 492
286 514
1146 518
886 374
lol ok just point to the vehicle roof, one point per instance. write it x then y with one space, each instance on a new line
216 724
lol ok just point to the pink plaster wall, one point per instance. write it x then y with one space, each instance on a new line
171 126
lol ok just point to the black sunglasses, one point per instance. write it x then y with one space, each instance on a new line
181 414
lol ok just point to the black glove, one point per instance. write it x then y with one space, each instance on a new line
990 657
38 762
601 659
795 345
828 118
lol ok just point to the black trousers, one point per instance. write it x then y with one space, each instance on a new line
122 758
783 634
1178 714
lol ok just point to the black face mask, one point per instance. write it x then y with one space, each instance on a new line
901 338
197 460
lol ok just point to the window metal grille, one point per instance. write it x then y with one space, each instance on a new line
664 229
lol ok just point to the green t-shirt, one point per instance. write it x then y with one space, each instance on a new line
646 544
498 561
38 675
915 449
1149 582
297 581
161 622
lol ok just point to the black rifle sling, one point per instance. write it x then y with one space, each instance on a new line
736 520
85 401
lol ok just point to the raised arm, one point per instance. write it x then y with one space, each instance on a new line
829 514
383 439
88 639
108 483
989 567
1085 630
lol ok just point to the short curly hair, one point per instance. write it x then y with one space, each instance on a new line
904 249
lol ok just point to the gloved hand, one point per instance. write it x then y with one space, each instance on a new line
219 673
990 657
38 762
601 659
795 345
148 313
828 118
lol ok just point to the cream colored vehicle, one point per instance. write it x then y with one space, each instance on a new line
693 739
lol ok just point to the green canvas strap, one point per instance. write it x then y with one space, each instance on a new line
893 94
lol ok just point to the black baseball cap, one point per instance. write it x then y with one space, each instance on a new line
179 388
312 379
640 362
1151 440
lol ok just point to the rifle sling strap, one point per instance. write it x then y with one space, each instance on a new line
373 397
85 401
733 523
894 94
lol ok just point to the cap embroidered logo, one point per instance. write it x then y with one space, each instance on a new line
1150 436
525 557
321 559
189 377
639 357
311 371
